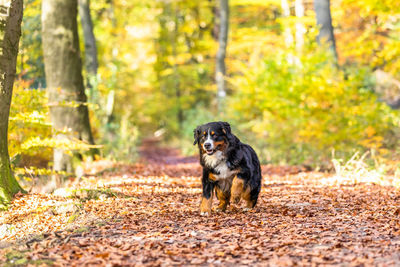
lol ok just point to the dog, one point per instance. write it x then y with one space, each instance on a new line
230 167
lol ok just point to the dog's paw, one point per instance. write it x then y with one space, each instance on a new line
205 213
235 199
221 209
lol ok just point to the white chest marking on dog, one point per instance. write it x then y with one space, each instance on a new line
217 161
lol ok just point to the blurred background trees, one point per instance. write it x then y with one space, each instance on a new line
286 93
220 66
324 23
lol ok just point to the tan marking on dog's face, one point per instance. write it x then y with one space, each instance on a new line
221 145
205 205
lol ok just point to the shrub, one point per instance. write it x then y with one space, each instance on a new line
29 123
299 114
30 134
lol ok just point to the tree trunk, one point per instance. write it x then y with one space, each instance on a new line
179 115
10 32
67 100
110 116
91 61
215 23
222 40
324 21
287 34
300 29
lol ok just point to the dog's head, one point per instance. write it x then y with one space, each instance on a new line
213 136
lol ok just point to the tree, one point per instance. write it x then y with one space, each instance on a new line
221 53
67 100
91 61
177 85
215 25
324 21
10 32
287 32
300 28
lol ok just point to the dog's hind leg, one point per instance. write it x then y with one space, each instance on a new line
223 197
237 189
249 201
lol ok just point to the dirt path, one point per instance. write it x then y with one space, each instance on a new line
147 214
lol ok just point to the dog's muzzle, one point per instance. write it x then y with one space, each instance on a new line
209 148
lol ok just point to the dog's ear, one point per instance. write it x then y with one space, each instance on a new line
196 135
226 128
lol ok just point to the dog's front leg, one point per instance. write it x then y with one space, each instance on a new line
207 195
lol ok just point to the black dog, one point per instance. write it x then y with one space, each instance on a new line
229 166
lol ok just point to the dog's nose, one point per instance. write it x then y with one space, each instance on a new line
207 145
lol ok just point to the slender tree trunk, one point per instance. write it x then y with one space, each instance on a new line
91 61
287 34
221 54
179 114
110 116
324 21
67 100
215 23
300 29
10 32
286 14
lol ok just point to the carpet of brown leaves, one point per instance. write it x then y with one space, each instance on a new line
148 214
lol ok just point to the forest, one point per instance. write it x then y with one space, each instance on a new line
99 100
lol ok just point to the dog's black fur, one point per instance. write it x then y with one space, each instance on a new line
229 160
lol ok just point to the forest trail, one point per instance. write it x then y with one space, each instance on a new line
147 214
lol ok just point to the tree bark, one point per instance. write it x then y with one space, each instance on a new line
287 34
324 21
221 54
300 28
91 61
286 14
179 115
10 32
215 23
67 100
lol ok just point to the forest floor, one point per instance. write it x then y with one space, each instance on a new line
147 214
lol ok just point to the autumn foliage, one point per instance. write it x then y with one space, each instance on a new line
325 128
148 214
293 113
